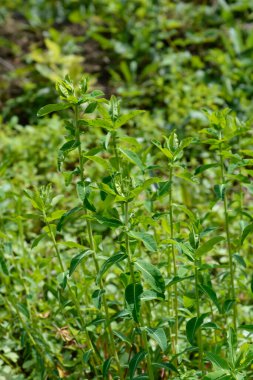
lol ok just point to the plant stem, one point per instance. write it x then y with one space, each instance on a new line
175 303
141 323
199 334
72 295
230 254
112 346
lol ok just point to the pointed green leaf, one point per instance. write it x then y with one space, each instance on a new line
133 364
192 327
146 238
166 365
66 216
77 260
109 222
208 245
122 337
217 360
133 300
159 336
86 355
247 230
211 294
125 118
116 258
248 328
151 274
52 108
106 366
97 297
133 157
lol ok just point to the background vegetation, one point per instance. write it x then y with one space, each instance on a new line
189 195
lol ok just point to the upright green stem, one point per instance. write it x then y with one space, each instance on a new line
230 254
174 341
72 295
112 346
199 334
141 323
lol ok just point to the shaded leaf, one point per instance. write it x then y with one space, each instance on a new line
116 258
133 300
133 364
151 274
106 366
192 327
77 260
247 230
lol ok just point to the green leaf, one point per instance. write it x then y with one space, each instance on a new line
122 337
69 145
99 160
133 157
66 216
203 168
217 360
192 327
4 265
248 328
133 364
177 279
208 245
101 123
147 239
133 300
165 151
52 108
151 274
91 107
86 355
217 375
77 260
166 365
37 240
125 118
109 222
106 366
227 306
97 297
23 310
163 189
247 230
186 250
116 258
219 191
62 279
159 336
149 295
211 294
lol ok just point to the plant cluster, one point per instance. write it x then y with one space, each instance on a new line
140 283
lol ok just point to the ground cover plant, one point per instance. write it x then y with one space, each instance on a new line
125 195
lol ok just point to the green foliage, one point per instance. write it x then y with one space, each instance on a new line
134 261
